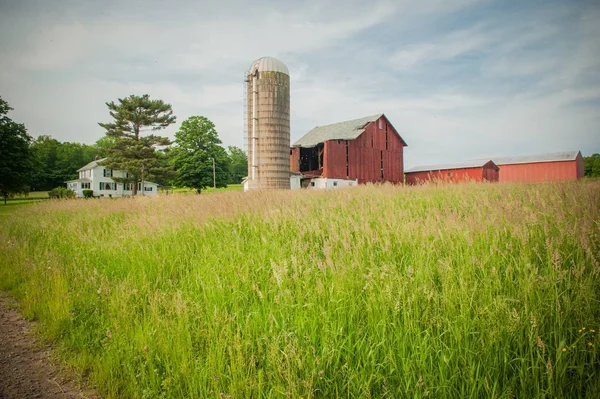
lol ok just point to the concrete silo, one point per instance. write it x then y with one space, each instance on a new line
268 124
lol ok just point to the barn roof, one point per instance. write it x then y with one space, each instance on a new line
549 157
347 130
449 166
91 165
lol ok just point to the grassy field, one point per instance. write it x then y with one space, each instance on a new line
474 290
230 187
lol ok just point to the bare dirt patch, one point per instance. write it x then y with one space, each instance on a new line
27 367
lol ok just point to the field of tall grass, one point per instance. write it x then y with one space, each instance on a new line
470 290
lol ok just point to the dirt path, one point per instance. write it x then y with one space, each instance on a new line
27 369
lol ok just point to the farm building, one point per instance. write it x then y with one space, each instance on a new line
347 153
457 172
566 165
97 178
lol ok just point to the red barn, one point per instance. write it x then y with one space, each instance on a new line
454 173
566 165
362 150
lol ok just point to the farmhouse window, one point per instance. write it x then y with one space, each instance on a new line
107 172
148 188
85 186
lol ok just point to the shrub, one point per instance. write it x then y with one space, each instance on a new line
88 193
61 192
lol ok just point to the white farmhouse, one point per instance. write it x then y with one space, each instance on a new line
96 177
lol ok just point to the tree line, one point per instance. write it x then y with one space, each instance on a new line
130 144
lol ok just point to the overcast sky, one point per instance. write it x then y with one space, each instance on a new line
460 79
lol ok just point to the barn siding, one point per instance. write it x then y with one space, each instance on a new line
542 171
295 159
365 153
450 175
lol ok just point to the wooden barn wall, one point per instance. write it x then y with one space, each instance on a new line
365 154
540 171
295 159
491 173
580 167
450 175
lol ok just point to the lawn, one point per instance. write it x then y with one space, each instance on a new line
471 290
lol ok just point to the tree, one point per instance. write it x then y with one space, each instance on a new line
197 145
238 161
57 162
131 152
103 146
592 165
16 161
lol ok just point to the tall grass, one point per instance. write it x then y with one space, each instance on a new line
471 290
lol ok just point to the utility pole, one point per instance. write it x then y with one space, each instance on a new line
214 175
142 188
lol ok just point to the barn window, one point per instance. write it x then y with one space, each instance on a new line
347 159
312 183
380 123
372 139
334 184
450 174
381 164
386 138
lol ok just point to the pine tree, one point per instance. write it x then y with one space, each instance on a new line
132 152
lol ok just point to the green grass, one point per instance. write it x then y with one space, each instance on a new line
14 205
34 195
473 290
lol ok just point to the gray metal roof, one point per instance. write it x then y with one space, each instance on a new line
270 64
348 130
448 166
91 165
549 157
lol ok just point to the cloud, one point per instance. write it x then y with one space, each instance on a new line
459 79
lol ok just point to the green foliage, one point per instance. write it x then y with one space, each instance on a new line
470 290
130 150
591 165
197 144
57 162
103 146
88 193
16 161
238 164
61 193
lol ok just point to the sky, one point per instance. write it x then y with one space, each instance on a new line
459 79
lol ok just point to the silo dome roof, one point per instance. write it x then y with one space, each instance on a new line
268 64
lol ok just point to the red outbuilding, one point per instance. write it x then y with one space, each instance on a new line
566 165
362 150
454 173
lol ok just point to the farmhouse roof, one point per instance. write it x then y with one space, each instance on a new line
84 180
91 165
347 130
548 157
461 165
